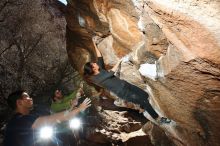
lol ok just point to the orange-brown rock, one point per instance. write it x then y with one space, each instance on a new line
181 37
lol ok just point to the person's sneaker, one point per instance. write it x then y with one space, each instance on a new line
164 120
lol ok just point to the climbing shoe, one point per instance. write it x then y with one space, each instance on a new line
164 120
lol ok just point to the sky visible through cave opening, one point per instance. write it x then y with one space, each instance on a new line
63 1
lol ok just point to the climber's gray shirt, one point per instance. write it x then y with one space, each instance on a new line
107 79
122 88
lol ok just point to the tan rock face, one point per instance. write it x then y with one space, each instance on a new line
113 125
193 36
123 29
181 37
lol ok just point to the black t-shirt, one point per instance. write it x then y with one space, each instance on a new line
121 88
107 79
19 131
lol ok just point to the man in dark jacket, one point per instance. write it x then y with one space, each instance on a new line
20 129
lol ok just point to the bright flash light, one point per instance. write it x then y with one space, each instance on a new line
75 123
46 132
63 1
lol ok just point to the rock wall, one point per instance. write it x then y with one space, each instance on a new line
179 39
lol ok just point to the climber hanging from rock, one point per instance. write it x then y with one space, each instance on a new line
96 74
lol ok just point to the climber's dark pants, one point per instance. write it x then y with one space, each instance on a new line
138 96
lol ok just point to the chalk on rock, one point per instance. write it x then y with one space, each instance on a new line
82 21
126 58
148 70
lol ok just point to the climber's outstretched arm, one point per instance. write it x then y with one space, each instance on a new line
114 69
98 53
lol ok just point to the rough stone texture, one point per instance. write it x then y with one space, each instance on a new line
183 37
158 136
33 49
107 124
